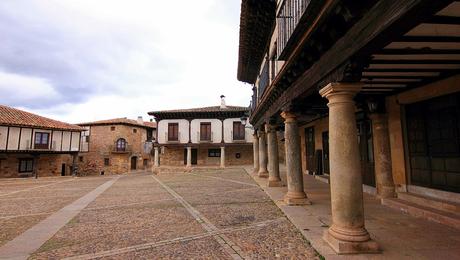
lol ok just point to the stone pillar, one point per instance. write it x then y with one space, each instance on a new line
274 179
347 234
295 194
156 157
255 147
189 157
382 155
263 160
222 157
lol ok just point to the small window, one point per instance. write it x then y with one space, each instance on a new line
238 131
41 140
146 162
237 155
80 158
112 128
87 138
214 153
106 161
173 132
26 165
134 130
121 144
205 131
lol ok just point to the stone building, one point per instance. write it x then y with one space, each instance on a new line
116 146
207 136
368 94
32 145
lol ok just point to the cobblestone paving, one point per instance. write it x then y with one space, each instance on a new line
218 214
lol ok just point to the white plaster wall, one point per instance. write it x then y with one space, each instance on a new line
66 141
75 141
216 129
13 138
3 135
228 131
56 142
163 130
26 139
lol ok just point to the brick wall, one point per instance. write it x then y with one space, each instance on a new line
47 165
102 145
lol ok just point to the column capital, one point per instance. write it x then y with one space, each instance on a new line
378 117
344 88
260 133
289 116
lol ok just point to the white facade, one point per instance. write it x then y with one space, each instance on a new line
216 131
23 139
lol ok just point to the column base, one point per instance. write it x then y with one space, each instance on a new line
262 174
296 198
351 247
275 183
386 192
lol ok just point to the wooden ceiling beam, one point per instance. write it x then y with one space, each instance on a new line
429 39
438 61
411 51
441 19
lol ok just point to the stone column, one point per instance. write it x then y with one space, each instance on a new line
295 194
189 157
263 160
156 157
222 157
347 234
382 155
255 147
274 179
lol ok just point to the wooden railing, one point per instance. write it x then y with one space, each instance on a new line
264 79
288 18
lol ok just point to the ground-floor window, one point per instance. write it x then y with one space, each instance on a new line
214 153
26 165
80 158
106 161
146 162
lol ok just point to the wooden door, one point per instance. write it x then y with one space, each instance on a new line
63 169
325 137
133 163
366 150
310 148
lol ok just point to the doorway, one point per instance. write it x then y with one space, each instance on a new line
325 137
366 149
63 169
310 149
194 156
133 163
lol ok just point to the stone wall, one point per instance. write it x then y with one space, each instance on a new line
47 165
102 145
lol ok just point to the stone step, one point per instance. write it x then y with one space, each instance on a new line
431 214
430 202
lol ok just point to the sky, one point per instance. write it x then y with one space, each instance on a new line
86 60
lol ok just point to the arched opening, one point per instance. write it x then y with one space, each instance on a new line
121 144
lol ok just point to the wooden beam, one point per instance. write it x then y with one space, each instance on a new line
441 19
387 82
429 39
411 51
397 77
410 70
378 61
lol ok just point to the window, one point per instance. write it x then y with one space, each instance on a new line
87 138
214 153
112 128
26 165
149 135
173 132
145 162
121 144
238 131
41 140
134 130
106 162
80 158
205 132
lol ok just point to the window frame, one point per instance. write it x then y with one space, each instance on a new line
205 135
120 145
26 161
39 136
240 134
106 161
213 152
173 132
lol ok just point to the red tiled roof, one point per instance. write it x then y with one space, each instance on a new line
14 117
120 121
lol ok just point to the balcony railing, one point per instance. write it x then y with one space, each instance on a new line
288 18
264 79
126 149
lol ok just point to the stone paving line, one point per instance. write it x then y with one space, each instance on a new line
33 188
28 242
152 245
224 179
233 250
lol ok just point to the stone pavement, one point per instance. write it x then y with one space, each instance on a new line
399 235
206 214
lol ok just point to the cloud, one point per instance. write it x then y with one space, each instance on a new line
106 54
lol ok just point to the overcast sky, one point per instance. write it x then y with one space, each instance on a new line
84 60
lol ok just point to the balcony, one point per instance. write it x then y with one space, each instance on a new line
264 79
288 17
119 150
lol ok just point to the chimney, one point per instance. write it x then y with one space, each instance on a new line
139 120
222 102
